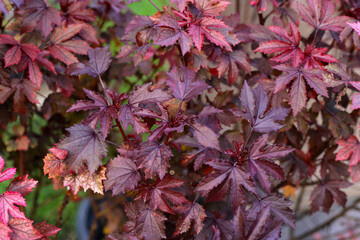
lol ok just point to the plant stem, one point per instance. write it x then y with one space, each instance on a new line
65 202
167 139
155 5
297 206
315 36
121 129
36 198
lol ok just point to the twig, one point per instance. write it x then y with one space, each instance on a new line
155 5
112 143
329 221
297 206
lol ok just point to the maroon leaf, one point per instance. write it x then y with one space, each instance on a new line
23 229
229 62
154 159
13 55
192 213
41 15
7 203
62 48
143 95
258 226
171 32
161 194
105 113
324 195
150 225
279 206
183 83
21 88
8 173
121 175
205 136
313 77
227 175
46 230
255 104
84 144
22 185
319 13
100 59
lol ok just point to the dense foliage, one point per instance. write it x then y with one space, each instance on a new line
193 123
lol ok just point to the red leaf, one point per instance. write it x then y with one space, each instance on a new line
53 165
22 185
192 213
212 8
12 56
61 47
23 229
287 47
355 26
7 203
22 88
350 149
204 27
161 193
8 173
46 230
313 57
121 175
4 232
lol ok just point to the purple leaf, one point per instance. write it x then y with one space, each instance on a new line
84 145
183 84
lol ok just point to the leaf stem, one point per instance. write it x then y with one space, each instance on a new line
247 140
155 5
118 124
